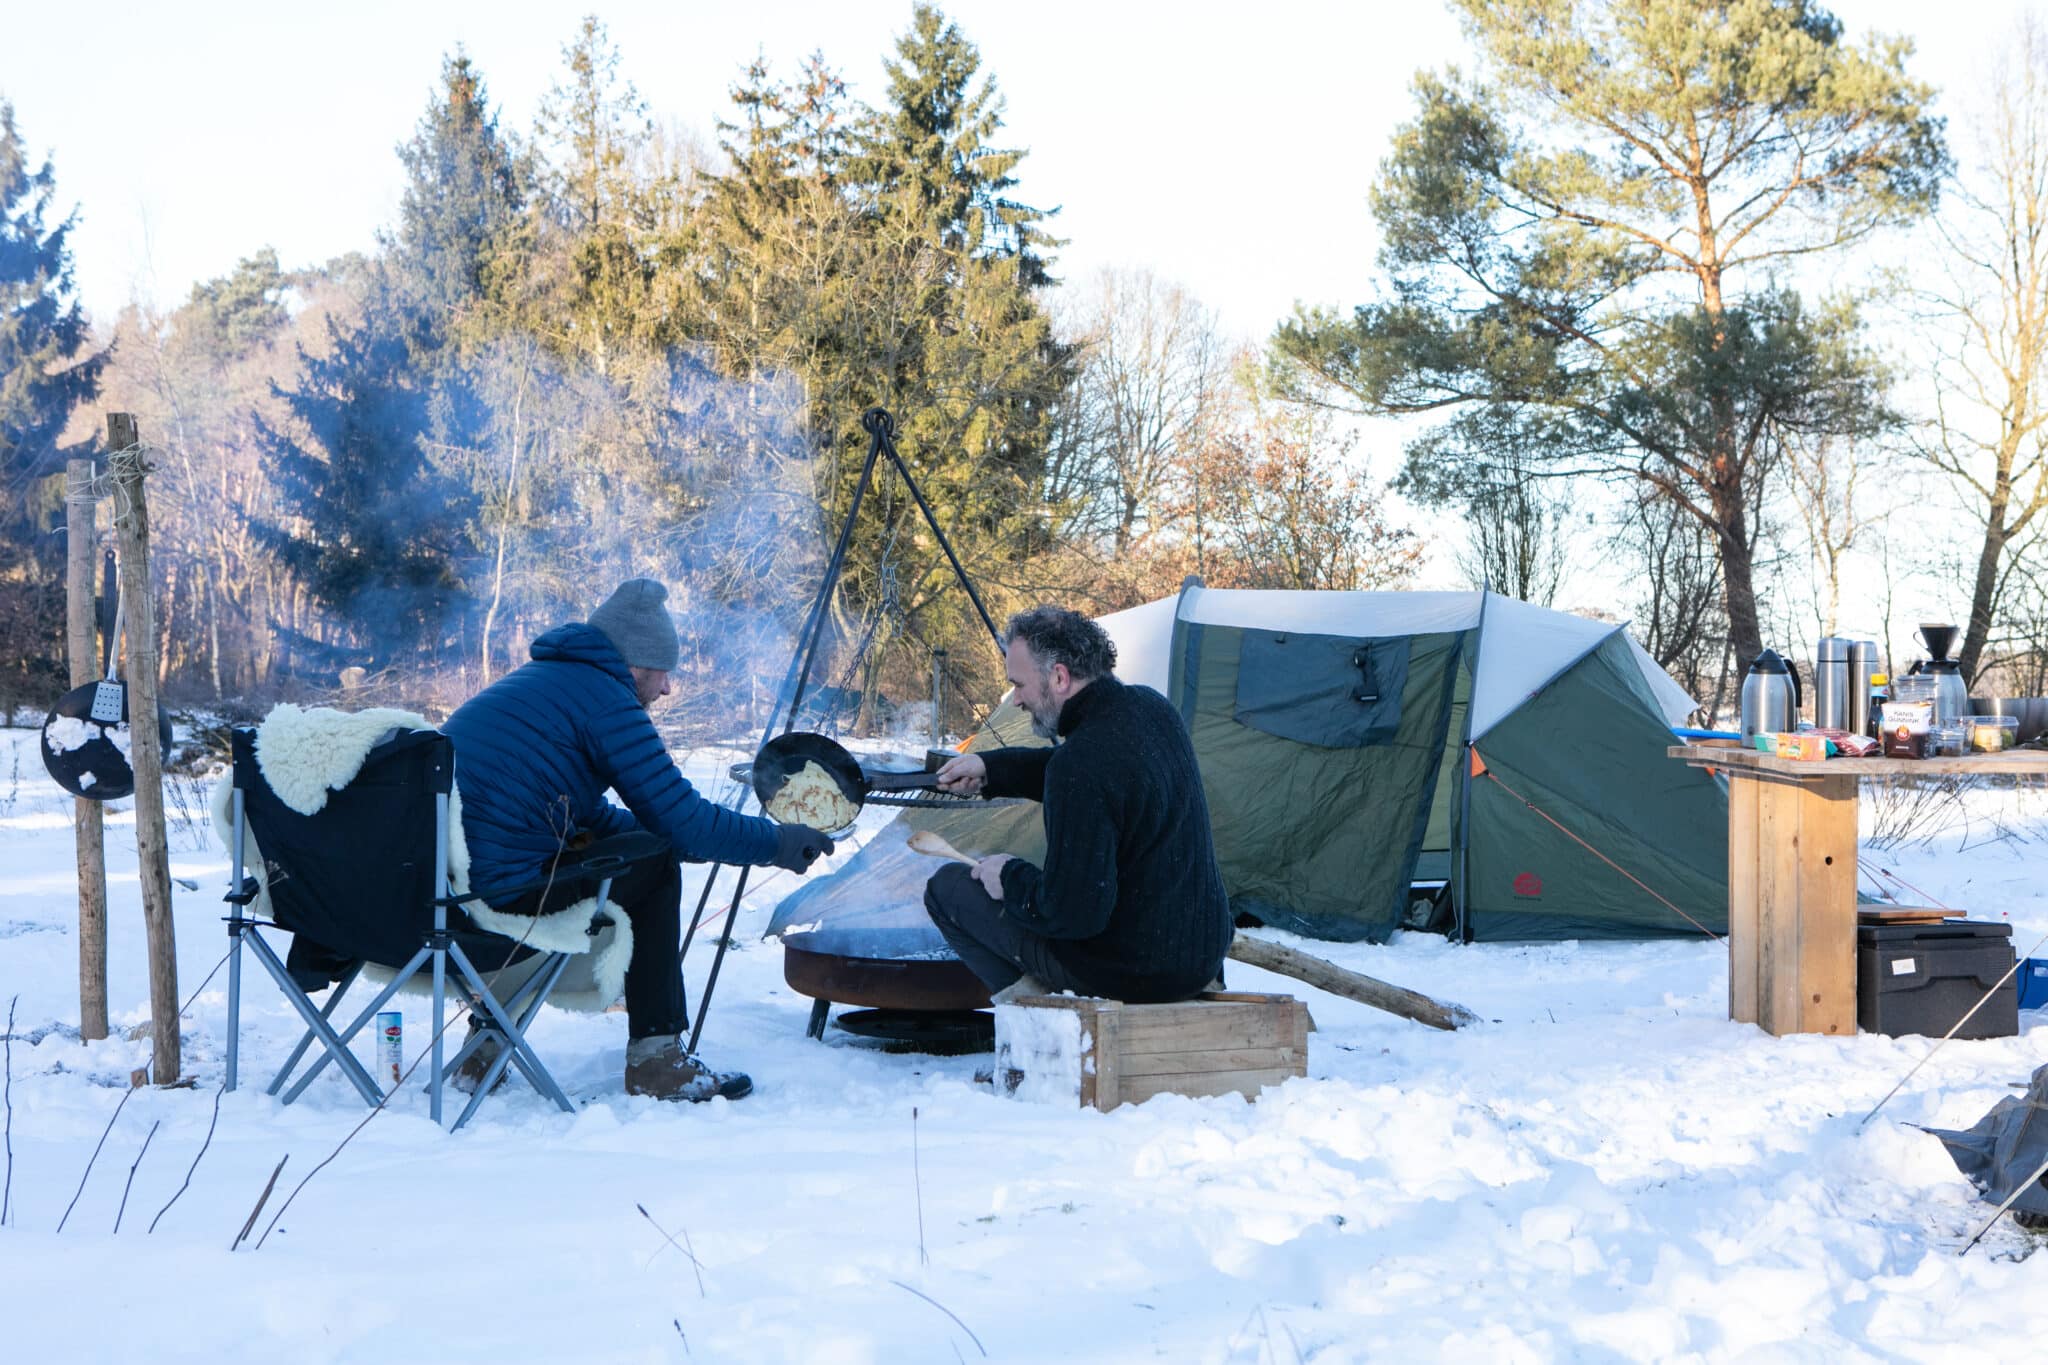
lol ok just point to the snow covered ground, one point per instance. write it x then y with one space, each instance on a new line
1607 1170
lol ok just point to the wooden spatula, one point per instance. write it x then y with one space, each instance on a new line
933 844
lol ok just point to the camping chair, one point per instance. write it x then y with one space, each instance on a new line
365 881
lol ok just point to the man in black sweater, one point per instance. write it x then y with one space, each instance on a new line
1130 903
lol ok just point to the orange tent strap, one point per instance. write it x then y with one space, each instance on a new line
1478 764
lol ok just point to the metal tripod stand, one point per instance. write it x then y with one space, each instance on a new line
881 430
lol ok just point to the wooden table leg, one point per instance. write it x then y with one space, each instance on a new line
1743 869
1806 905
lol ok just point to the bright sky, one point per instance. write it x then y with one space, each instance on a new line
1227 146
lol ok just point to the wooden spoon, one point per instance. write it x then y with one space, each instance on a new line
934 844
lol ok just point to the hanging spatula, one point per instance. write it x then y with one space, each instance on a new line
110 695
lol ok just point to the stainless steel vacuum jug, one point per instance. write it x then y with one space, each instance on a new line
1831 683
1770 696
1864 663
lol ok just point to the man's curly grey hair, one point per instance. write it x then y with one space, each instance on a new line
1059 635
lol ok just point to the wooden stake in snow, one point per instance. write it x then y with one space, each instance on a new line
145 746
81 537
1366 990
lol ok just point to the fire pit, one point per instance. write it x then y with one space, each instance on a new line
931 983
860 936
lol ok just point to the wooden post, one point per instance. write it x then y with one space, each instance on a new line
1806 905
81 539
145 747
1742 898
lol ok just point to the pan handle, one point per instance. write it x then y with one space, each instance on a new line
900 782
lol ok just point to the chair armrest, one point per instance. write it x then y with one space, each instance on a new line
606 858
249 891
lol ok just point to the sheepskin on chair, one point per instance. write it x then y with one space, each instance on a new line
305 753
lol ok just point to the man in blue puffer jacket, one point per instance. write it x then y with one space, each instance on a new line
535 753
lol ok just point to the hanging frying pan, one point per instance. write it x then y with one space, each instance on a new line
807 779
85 735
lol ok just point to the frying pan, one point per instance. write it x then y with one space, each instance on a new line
82 756
784 757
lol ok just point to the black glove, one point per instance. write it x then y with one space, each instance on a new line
798 846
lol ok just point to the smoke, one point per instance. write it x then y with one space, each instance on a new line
657 466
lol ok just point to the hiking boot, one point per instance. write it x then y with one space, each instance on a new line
659 1068
470 1074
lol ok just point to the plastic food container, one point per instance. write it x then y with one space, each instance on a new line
1947 741
1913 687
1990 734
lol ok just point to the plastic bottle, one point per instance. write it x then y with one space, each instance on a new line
1880 689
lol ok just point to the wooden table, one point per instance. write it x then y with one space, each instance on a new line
1792 876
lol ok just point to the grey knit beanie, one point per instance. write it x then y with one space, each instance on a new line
638 625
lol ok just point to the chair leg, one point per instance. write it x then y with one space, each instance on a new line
335 1050
522 1055
541 987
306 1038
339 1049
234 997
236 923
436 1080
522 1005
515 1042
512 1050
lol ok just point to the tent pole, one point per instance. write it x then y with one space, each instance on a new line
1460 886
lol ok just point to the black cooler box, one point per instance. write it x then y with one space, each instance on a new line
1921 978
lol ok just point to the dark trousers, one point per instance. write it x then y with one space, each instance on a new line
651 894
994 946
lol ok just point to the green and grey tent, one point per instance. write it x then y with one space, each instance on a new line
1356 745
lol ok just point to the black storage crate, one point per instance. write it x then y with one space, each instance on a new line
1921 978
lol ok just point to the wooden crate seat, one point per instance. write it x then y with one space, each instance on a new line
1095 1053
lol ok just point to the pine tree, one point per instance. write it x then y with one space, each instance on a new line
374 523
936 140
463 193
593 235
46 370
46 366
1582 247
879 257
224 317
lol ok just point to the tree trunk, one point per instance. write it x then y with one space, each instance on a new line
170 608
1984 591
1738 577
81 532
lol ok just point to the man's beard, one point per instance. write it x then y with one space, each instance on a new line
1046 725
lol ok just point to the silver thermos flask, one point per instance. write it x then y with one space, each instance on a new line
1831 683
1863 663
